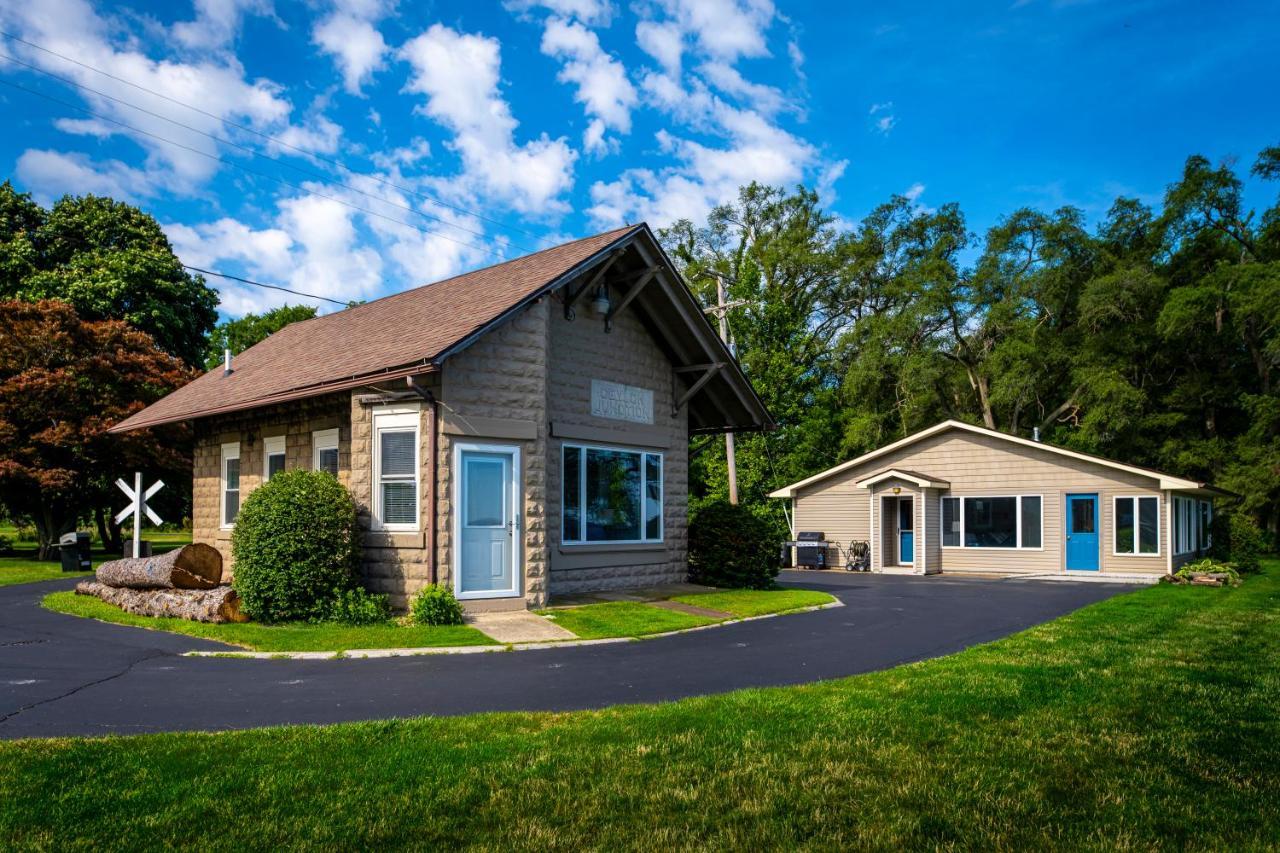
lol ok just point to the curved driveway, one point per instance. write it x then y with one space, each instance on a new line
63 675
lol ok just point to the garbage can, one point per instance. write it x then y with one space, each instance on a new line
144 548
75 552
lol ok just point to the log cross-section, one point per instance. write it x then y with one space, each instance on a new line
708 373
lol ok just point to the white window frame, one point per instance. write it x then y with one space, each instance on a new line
1186 513
582 541
272 446
397 419
323 439
1017 522
1115 529
229 451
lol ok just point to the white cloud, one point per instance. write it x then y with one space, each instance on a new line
887 121
216 22
589 12
885 124
664 42
355 45
877 108
217 85
51 174
726 29
765 99
603 89
459 74
408 155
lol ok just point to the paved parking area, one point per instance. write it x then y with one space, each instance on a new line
61 675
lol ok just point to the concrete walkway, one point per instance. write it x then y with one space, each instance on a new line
518 626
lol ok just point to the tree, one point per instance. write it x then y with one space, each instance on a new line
109 260
63 382
240 334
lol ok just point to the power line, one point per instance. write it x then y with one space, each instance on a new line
270 138
262 284
247 170
253 152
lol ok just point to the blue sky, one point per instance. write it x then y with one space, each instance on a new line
474 131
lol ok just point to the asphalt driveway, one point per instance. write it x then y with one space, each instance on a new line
63 675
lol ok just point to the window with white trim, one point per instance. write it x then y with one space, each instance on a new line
272 456
1136 525
1189 533
324 453
229 480
993 521
395 469
610 494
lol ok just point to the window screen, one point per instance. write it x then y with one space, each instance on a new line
1030 521
951 522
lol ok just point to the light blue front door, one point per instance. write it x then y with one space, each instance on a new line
1082 533
906 531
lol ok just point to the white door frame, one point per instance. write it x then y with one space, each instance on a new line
517 518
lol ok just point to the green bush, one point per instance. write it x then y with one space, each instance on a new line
295 546
1247 544
358 606
729 546
435 605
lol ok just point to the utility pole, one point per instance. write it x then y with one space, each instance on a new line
721 310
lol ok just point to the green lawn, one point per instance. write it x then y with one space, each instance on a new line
23 567
638 619
756 602
301 637
1151 720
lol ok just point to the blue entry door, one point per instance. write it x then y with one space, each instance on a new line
1082 533
906 531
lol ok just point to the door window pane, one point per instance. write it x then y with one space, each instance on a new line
652 496
1124 525
906 515
951 521
990 522
1031 521
613 508
1082 516
571 495
1149 525
486 506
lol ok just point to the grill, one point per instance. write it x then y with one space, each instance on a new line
811 549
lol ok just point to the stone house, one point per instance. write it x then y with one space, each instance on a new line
515 432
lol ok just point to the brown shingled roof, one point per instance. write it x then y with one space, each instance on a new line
392 336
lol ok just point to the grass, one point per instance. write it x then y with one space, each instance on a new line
301 637
743 603
23 567
1148 720
623 619
638 619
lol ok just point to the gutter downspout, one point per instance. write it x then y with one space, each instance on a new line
433 454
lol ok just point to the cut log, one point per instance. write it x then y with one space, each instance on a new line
220 604
192 566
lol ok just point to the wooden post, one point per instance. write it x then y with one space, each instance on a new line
723 312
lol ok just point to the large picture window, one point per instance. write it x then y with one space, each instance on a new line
1137 526
395 469
610 495
998 521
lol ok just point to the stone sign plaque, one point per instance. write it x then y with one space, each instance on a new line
621 402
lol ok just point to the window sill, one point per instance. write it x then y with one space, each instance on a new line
602 547
394 539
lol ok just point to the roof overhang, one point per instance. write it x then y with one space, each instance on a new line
1166 481
898 474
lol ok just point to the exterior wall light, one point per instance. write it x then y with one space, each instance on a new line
600 302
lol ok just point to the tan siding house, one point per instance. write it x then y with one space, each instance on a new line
960 498
515 432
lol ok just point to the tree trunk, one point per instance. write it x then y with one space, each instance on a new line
220 604
189 567
108 532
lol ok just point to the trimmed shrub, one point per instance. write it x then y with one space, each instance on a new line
1247 543
296 547
435 605
358 606
729 546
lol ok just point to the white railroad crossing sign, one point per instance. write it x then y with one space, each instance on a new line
138 506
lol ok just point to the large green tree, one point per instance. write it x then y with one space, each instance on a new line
244 332
109 260
63 382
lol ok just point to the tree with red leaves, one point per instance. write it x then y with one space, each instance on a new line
63 382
